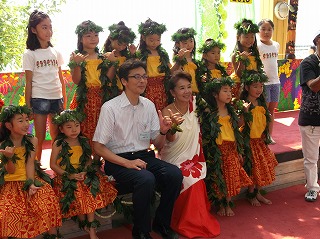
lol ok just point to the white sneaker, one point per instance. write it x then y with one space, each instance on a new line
311 196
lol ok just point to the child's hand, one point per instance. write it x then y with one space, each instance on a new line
33 189
132 48
78 58
111 56
244 55
8 151
83 175
182 53
246 106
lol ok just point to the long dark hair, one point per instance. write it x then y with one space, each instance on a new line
35 18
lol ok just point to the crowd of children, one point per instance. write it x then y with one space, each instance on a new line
235 135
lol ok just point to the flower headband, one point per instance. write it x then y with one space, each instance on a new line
122 35
88 26
210 44
254 77
153 28
8 112
66 116
179 36
246 26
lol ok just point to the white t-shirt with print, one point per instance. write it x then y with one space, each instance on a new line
44 64
269 57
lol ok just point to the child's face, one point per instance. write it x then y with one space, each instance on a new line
265 32
152 41
19 124
90 40
255 89
213 56
116 45
43 30
71 129
187 44
225 94
246 40
182 91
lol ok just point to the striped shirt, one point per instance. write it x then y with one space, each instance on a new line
123 127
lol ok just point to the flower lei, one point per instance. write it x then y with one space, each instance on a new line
89 26
29 147
154 28
178 36
70 185
109 87
123 36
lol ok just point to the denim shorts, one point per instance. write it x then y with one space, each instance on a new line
272 92
46 106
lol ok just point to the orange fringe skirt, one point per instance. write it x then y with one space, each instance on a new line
155 91
85 202
25 216
233 173
263 163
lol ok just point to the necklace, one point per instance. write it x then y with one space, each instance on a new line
174 104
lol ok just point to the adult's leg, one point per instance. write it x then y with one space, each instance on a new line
310 137
168 180
141 183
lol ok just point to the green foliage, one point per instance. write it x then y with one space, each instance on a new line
13 22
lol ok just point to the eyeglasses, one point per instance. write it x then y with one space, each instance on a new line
139 77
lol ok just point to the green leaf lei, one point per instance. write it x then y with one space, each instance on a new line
154 28
210 128
162 68
29 147
69 185
109 88
178 36
89 26
123 36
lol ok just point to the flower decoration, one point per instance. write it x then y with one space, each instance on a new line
66 116
1 101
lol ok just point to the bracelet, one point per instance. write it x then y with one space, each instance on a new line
181 62
72 64
163 133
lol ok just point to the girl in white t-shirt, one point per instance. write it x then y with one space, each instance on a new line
45 88
269 50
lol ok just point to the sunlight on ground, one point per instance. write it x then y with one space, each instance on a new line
285 121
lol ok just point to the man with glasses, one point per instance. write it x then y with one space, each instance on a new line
126 126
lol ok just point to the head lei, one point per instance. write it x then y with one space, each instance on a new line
210 44
246 26
179 36
254 77
88 26
151 28
67 116
216 84
122 35
8 112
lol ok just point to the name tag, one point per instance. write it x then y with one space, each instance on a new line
144 136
